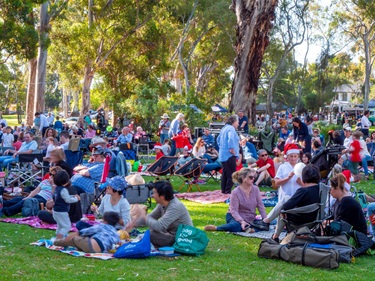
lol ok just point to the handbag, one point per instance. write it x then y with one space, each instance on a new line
135 250
190 240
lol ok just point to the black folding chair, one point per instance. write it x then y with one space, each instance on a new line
191 171
164 166
24 170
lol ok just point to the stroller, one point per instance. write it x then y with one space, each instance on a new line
326 159
164 166
191 171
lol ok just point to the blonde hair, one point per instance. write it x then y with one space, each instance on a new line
240 175
58 153
197 144
338 181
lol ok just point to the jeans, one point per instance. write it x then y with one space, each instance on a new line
6 160
163 137
232 225
364 163
14 206
82 225
211 166
173 148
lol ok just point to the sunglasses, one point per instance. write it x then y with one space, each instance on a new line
264 155
251 177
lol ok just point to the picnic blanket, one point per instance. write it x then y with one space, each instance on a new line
210 197
37 223
72 251
261 234
205 197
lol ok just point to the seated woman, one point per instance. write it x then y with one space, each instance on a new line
43 193
244 200
113 201
347 209
199 148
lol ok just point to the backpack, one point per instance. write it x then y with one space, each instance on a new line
30 207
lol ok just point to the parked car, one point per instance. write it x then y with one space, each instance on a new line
71 121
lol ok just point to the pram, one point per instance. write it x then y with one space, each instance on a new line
164 166
191 171
326 159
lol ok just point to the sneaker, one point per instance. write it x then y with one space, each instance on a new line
210 227
260 225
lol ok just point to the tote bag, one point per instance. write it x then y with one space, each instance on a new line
190 240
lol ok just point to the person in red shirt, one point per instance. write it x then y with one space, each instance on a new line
266 168
158 151
355 158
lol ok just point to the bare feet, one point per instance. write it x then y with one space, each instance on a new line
210 227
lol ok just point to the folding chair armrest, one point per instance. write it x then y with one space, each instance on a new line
302 210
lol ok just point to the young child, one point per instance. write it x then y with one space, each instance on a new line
355 158
62 201
8 138
95 239
51 146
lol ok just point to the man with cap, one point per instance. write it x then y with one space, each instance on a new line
164 126
207 137
113 201
88 174
173 131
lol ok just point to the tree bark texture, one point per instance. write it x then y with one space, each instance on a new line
39 103
31 93
254 22
87 80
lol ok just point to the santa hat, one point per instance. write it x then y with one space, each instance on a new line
291 148
157 145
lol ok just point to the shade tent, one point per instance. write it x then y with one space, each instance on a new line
218 108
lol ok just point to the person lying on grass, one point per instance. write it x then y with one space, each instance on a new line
244 199
96 239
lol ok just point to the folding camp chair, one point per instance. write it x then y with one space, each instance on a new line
164 166
191 171
23 171
73 158
320 207
143 147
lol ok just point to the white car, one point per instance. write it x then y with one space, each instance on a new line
71 121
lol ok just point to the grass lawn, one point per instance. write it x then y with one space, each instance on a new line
12 119
228 257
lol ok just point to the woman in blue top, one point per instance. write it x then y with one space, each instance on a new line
228 141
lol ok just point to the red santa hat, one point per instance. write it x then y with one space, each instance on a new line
157 145
291 148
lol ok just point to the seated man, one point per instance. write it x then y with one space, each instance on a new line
87 174
125 137
249 151
28 146
266 168
207 137
96 239
163 221
64 140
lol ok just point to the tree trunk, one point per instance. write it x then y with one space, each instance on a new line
367 70
29 112
253 26
39 104
87 80
270 99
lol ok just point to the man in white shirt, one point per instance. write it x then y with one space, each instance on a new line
50 119
365 124
347 142
44 125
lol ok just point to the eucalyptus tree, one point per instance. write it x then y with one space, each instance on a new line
254 23
290 28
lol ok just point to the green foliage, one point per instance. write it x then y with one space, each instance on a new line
18 35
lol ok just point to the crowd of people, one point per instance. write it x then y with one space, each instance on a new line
227 153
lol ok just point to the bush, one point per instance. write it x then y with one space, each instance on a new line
324 128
